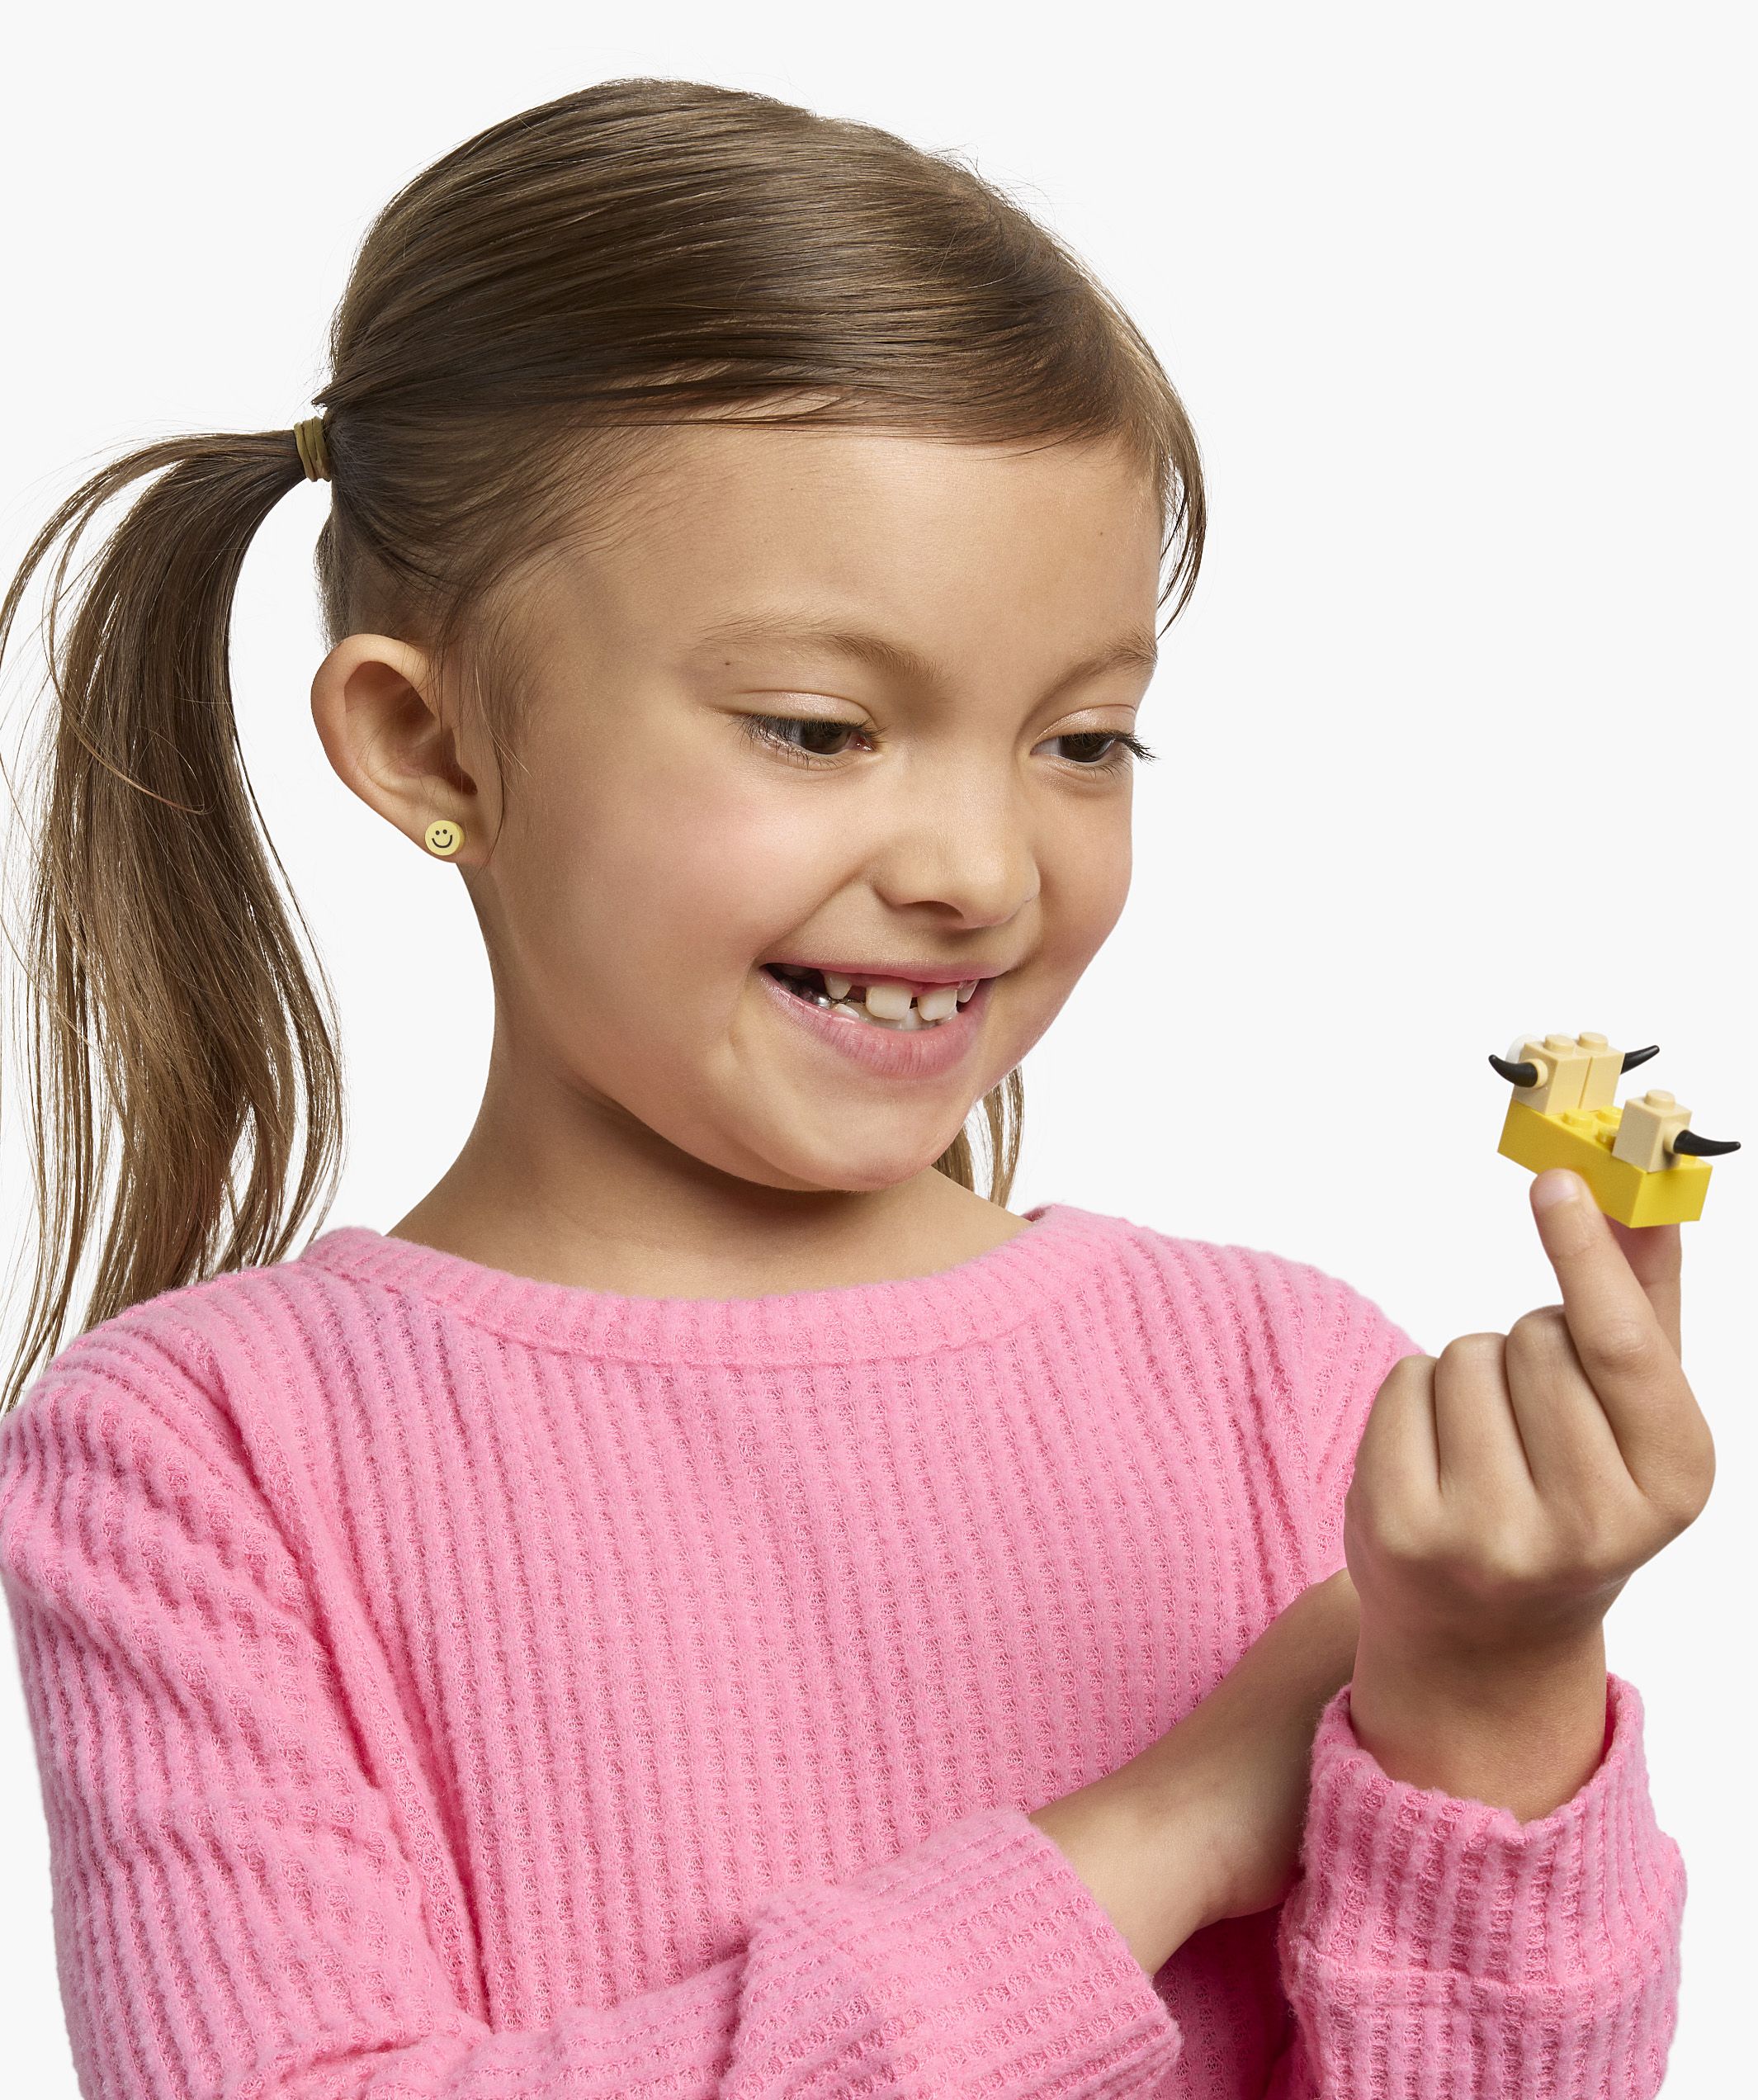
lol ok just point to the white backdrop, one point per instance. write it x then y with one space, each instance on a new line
1456 735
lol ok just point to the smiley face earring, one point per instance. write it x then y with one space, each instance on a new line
444 837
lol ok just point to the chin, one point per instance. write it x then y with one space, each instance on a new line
853 1172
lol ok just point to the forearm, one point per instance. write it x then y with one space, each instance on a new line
1147 1868
1524 1734
1205 1823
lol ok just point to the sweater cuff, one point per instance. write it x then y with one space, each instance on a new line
988 1964
1406 1882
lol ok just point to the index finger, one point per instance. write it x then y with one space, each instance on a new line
1656 1258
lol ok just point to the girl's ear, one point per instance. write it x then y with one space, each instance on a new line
377 705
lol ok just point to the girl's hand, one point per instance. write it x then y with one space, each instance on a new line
1505 1491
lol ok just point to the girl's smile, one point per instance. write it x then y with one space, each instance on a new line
928 1050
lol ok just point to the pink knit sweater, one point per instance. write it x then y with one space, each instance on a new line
446 1683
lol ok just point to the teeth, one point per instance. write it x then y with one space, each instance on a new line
909 1020
890 1003
894 998
889 1000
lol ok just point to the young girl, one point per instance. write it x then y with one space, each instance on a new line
711 1602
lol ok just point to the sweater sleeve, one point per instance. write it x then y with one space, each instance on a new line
1435 1945
236 1917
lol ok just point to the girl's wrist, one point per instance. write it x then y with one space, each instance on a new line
1521 1731
1147 1862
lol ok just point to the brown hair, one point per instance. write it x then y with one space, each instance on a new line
639 252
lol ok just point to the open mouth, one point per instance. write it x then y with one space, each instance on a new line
881 1005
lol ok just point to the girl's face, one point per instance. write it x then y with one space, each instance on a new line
945 792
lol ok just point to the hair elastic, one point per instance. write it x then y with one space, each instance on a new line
314 455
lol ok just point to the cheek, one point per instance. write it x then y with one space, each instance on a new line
656 879
1114 891
1090 879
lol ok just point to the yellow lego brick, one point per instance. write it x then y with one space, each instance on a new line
1583 1139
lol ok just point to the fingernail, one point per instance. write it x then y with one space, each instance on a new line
1556 1185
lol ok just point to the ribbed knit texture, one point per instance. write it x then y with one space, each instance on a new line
448 1683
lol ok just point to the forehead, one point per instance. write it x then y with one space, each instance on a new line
746 464
737 534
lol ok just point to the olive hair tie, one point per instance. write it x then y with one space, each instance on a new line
314 455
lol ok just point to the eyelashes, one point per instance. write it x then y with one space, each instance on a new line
1132 746
772 731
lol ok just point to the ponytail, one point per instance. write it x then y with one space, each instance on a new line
171 1015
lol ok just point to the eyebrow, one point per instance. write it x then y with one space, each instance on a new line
1137 652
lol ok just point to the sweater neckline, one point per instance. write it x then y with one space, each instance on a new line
978 1299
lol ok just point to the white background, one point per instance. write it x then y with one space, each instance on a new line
1456 735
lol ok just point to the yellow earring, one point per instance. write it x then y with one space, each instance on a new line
444 837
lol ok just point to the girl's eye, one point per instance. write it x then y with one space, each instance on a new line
775 730
1114 761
